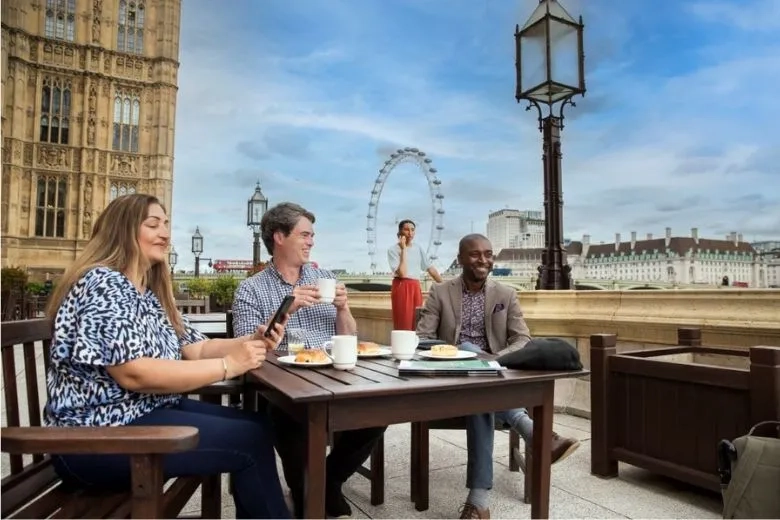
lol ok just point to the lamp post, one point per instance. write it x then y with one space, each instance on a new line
197 249
173 258
550 65
256 207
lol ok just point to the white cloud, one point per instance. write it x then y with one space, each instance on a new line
676 141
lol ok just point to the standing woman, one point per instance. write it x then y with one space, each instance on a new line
407 263
122 354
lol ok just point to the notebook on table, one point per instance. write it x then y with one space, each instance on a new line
462 367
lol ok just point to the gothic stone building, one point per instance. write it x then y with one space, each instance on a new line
89 100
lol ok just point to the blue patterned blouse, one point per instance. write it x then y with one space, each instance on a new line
104 321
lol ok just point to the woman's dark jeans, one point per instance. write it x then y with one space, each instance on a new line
230 441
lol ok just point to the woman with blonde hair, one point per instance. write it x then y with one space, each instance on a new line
122 354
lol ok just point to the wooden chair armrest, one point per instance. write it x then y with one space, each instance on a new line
109 439
231 386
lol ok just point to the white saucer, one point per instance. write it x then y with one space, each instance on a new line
462 354
290 360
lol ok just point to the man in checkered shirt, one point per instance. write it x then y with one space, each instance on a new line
288 234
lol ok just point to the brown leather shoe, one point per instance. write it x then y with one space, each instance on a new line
472 511
562 447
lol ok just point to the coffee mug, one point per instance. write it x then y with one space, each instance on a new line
327 288
403 343
343 351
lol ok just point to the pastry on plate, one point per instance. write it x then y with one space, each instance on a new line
368 347
444 350
311 356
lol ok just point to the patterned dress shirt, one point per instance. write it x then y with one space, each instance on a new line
105 321
472 319
258 297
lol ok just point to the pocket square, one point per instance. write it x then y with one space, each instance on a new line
498 308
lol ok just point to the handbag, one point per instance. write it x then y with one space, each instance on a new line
749 471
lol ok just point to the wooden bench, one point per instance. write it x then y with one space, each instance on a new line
33 490
193 306
665 410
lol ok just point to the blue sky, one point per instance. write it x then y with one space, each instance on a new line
679 126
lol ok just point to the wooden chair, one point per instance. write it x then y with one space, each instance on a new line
33 489
420 452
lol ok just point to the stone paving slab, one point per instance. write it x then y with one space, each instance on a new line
575 493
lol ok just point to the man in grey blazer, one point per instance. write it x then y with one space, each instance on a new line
477 313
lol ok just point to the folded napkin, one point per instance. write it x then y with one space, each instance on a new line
543 354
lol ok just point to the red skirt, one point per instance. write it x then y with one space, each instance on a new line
406 296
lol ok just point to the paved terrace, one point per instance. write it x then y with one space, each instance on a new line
575 493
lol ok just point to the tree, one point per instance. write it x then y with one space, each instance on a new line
13 279
199 287
223 288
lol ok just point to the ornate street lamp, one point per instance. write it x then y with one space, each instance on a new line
173 258
197 249
256 207
550 67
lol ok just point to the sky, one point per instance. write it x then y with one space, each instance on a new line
678 128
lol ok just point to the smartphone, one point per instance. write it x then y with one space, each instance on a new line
279 314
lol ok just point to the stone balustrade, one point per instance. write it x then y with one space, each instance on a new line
640 319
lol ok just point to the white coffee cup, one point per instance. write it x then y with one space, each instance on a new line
343 351
403 343
327 287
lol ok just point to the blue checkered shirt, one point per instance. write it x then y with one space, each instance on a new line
258 297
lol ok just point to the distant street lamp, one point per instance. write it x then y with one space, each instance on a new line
550 65
197 249
173 258
256 207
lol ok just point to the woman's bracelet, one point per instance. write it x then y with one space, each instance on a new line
225 368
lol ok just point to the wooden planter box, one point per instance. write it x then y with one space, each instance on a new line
665 410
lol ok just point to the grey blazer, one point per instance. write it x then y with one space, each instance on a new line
504 324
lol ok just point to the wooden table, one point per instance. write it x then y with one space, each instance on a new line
327 400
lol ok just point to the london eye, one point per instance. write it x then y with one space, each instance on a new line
425 165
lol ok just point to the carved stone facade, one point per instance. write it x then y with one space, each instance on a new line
63 150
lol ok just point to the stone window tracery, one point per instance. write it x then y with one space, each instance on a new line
130 35
121 188
55 111
127 108
50 206
60 19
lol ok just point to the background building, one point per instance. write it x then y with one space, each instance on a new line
770 251
515 229
684 260
89 100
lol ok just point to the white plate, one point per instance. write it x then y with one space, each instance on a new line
382 352
462 354
290 360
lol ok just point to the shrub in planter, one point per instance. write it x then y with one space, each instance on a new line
199 288
222 289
